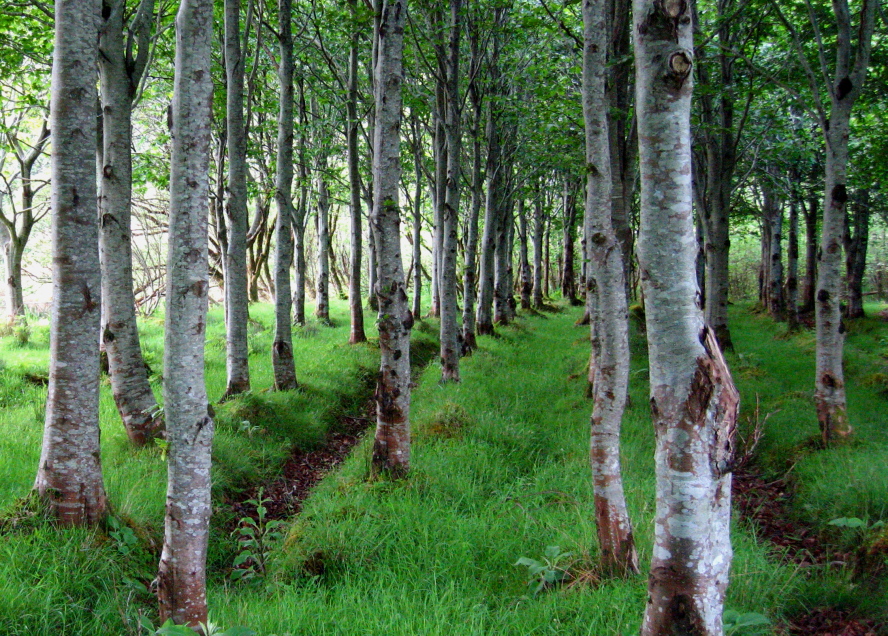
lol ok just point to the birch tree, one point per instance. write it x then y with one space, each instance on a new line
69 476
609 315
354 177
122 64
236 293
391 447
693 399
843 84
182 576
282 348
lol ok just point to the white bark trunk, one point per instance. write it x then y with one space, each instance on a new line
182 576
609 316
693 400
391 448
119 75
282 348
236 295
69 475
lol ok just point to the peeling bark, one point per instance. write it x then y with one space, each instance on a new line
182 575
693 399
69 476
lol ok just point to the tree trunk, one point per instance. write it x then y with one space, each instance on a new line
417 219
693 399
391 447
609 315
322 226
502 286
236 293
119 75
282 347
568 279
301 211
355 302
538 222
470 342
810 282
69 476
792 266
829 395
774 212
450 345
524 257
182 576
438 189
856 243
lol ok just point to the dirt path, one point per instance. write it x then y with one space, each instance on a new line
766 504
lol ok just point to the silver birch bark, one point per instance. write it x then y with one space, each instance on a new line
609 315
182 575
391 447
484 313
693 399
792 266
523 256
300 212
450 349
282 347
69 476
322 226
774 208
538 223
470 342
356 308
856 240
417 218
439 193
120 72
844 88
809 211
236 296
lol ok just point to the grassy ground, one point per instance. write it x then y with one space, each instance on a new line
499 472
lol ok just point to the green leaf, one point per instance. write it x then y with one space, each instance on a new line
849 522
242 558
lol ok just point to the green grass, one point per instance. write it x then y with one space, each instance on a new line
499 471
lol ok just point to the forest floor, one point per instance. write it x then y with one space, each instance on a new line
499 472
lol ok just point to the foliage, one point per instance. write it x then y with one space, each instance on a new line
547 573
257 538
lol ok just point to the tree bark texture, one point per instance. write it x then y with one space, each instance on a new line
450 345
568 277
69 476
693 399
236 292
355 302
322 226
300 212
792 266
609 315
503 301
119 75
484 313
809 285
856 240
182 576
773 211
470 342
525 283
391 447
282 348
845 88
417 219
538 223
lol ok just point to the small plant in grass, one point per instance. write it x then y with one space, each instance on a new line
257 537
736 623
248 428
549 572
123 536
207 629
